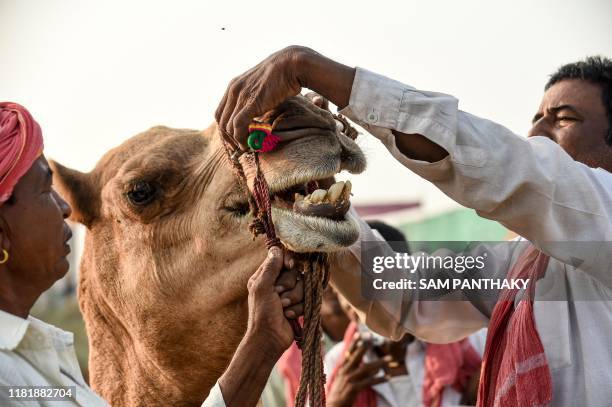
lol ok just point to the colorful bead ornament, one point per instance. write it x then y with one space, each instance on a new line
261 138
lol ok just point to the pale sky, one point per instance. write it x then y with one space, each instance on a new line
95 73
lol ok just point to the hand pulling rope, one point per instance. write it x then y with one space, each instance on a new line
313 267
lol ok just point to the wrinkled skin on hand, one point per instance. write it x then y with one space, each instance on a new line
275 294
354 375
257 91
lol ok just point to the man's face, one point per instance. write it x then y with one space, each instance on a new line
572 115
34 229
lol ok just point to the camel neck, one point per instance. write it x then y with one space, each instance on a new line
135 363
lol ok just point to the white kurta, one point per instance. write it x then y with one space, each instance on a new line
532 187
33 353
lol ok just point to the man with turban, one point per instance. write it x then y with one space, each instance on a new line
20 144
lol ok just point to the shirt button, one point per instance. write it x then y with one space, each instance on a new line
372 117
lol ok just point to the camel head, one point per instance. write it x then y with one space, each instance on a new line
168 251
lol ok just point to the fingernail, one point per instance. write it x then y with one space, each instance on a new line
393 364
388 358
279 288
291 263
290 314
285 302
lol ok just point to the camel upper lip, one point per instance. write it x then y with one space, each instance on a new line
289 128
285 123
288 136
297 180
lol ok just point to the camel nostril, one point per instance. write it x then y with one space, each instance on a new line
344 155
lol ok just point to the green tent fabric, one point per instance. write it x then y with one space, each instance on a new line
460 225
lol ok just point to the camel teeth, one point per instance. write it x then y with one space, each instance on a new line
346 193
318 196
334 192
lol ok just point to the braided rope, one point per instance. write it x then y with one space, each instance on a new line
314 273
314 269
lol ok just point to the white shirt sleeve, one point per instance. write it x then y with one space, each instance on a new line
432 321
531 186
215 397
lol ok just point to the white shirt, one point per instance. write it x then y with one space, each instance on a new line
532 187
406 390
33 353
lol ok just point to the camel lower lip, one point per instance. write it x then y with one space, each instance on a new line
314 234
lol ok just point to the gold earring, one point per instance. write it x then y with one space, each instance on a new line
5 257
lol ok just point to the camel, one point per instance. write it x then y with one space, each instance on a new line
167 252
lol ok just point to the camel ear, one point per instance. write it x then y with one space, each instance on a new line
78 190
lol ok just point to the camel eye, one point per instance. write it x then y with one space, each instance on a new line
142 193
239 209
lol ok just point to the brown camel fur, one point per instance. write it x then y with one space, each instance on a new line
167 253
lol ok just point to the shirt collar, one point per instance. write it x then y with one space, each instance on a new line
59 337
13 329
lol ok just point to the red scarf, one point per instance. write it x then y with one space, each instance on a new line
366 397
21 143
290 367
514 370
450 364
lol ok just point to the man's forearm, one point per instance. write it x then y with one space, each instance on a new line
334 81
328 78
246 376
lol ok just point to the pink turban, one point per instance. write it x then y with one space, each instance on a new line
21 144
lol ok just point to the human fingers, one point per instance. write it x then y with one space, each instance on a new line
221 107
272 266
370 369
354 358
354 344
318 100
269 270
294 311
230 98
218 117
264 88
289 259
371 381
293 296
239 122
288 279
